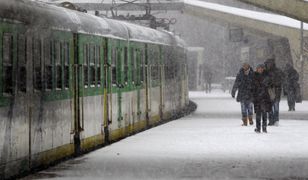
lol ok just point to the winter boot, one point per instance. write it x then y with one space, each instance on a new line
257 130
244 119
250 120
264 129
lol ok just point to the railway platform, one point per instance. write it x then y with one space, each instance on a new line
208 144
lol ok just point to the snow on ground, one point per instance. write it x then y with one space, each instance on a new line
208 144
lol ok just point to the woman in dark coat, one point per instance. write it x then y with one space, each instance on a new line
291 86
244 85
262 101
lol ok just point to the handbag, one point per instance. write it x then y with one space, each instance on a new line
272 94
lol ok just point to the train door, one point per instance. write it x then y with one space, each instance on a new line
132 79
89 92
154 63
14 107
141 64
116 68
147 85
136 82
162 82
107 89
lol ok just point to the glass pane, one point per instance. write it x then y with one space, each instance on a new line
98 65
58 59
48 49
126 64
66 60
22 73
85 65
7 64
133 64
113 66
37 65
92 65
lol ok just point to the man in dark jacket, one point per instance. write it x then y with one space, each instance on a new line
275 79
244 85
291 86
262 102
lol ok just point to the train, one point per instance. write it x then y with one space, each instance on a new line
71 82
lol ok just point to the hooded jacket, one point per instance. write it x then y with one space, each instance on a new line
244 85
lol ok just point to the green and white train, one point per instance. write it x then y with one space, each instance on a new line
71 82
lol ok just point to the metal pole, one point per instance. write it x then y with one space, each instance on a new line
302 57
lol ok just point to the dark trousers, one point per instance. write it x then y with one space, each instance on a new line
291 100
261 115
274 114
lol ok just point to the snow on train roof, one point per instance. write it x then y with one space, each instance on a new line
261 16
46 16
139 33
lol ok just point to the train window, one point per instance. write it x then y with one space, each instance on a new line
22 72
154 72
168 72
85 65
58 64
133 64
48 49
66 59
119 65
142 66
126 65
92 65
7 73
113 66
98 65
37 65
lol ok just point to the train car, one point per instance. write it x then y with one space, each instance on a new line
71 82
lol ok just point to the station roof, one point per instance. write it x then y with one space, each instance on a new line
260 16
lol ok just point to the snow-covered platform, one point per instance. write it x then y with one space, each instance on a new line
209 144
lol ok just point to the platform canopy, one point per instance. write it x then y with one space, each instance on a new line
124 5
297 9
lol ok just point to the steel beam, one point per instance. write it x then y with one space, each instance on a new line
170 6
297 9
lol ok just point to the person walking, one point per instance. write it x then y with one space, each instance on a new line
291 86
243 84
207 76
261 98
275 80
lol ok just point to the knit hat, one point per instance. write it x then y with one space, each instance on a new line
260 66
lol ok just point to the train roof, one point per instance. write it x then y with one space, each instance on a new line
41 16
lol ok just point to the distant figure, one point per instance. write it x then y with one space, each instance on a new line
275 80
244 85
207 76
262 102
291 86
